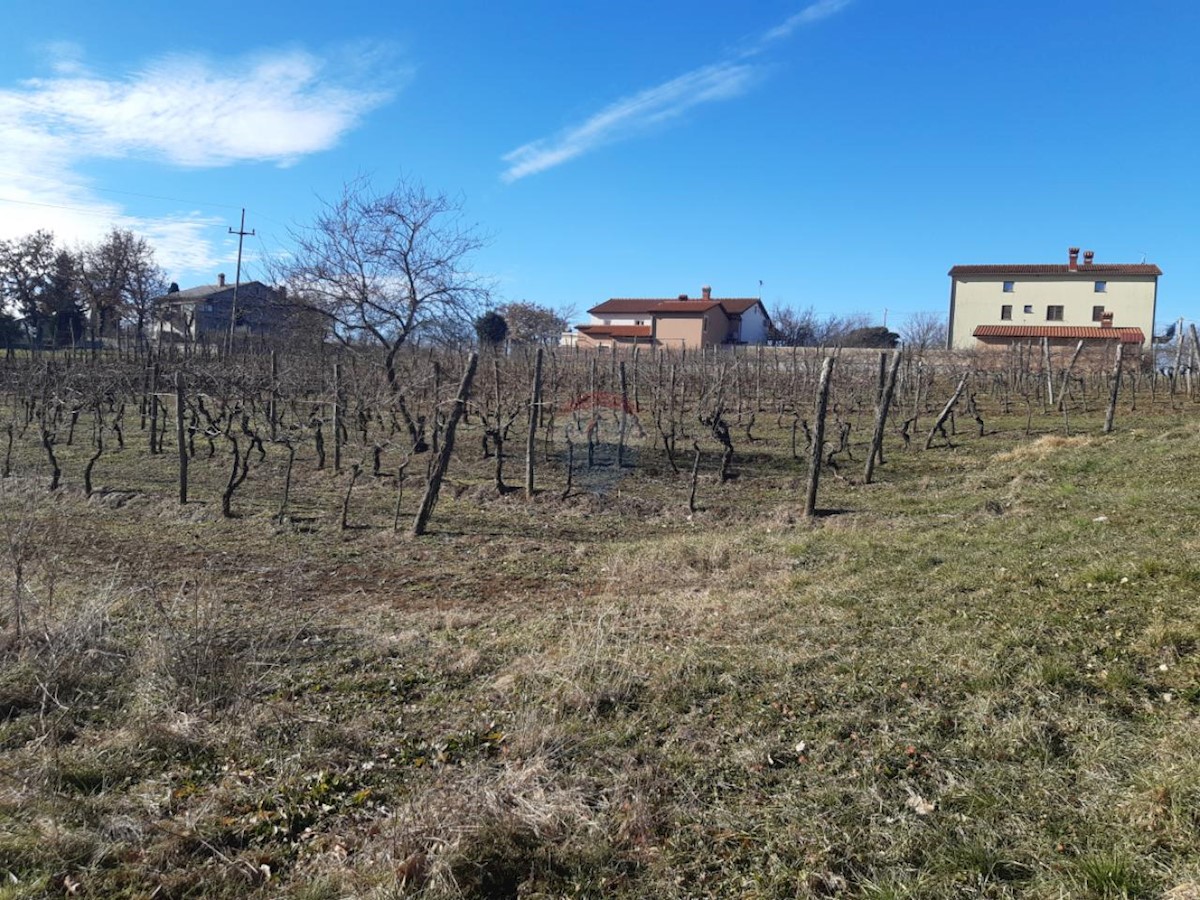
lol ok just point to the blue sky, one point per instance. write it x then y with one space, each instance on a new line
845 153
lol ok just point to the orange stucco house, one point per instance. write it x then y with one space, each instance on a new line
679 323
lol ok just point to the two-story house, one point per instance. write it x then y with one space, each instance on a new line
996 305
205 312
678 323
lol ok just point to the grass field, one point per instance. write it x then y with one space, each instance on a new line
977 677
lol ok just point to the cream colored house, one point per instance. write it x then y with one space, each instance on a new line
995 305
679 323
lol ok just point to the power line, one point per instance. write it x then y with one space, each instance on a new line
123 214
81 187
89 212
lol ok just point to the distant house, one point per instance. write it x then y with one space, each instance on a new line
682 322
997 305
203 313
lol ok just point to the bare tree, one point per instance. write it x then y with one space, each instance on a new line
804 328
145 281
835 329
26 269
119 278
924 331
382 267
529 323
791 327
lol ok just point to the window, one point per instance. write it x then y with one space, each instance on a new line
1008 287
1029 309
1006 311
1097 313
1054 313
1101 287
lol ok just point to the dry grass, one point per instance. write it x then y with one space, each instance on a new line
977 678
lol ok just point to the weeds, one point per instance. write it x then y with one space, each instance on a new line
918 696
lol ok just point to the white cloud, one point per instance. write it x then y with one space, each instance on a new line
637 112
631 115
178 110
822 9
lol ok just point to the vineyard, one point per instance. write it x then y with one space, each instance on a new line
540 622
211 420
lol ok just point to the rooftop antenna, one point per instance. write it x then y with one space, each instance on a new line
1143 257
760 290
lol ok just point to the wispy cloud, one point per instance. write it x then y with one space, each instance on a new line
640 112
631 115
178 110
822 9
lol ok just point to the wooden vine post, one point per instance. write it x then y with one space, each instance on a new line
818 443
337 418
881 413
535 413
180 434
624 418
273 403
949 408
438 472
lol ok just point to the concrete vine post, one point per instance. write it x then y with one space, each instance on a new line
1049 373
1066 376
438 471
1115 390
1179 343
818 444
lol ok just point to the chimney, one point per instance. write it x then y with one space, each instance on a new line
221 280
1073 265
707 291
1106 320
683 296
1088 256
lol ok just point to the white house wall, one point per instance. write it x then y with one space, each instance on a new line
978 300
754 326
621 320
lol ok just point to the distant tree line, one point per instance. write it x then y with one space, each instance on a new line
377 268
791 327
55 296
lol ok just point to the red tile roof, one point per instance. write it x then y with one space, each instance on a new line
737 305
1063 269
628 305
1071 332
667 307
619 305
615 331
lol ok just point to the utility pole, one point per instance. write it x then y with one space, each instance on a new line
237 277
